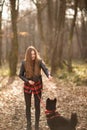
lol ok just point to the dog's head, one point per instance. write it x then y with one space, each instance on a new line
51 104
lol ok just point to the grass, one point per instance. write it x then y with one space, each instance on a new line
4 70
78 75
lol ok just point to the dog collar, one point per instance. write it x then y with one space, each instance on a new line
51 114
49 111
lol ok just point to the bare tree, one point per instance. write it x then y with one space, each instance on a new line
13 57
71 38
40 5
84 35
1 10
59 31
50 27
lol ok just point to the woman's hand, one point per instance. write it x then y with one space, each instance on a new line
50 77
31 82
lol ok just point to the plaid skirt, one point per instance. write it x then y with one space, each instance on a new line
35 89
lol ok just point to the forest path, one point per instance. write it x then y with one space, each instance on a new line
12 106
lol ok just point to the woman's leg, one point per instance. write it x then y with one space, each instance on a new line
28 109
37 98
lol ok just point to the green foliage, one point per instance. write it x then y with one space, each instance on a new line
78 76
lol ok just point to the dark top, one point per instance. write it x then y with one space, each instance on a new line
36 78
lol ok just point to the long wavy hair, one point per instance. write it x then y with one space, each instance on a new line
32 67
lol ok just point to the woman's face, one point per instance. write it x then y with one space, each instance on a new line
33 55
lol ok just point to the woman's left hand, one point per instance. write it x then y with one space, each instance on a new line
50 77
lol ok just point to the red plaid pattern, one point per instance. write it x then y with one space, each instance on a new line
35 89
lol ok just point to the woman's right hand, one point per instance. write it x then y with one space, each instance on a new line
31 82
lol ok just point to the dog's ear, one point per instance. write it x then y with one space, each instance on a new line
55 100
48 99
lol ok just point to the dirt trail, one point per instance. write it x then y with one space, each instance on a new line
12 105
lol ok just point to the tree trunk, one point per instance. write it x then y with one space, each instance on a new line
59 30
13 57
84 38
50 25
70 39
0 39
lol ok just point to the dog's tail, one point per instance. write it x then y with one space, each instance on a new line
74 119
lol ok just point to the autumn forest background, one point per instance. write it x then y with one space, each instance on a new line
58 30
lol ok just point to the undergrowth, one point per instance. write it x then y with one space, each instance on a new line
4 70
77 76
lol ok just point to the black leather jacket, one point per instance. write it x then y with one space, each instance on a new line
35 78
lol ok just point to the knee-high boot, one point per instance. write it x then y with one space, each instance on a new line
28 109
37 116
37 111
28 116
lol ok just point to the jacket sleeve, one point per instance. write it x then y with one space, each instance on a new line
44 68
22 72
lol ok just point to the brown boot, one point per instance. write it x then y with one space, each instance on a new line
36 126
29 126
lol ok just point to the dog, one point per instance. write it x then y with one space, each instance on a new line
57 122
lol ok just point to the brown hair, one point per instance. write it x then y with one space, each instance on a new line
29 64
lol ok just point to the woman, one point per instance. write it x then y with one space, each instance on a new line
30 73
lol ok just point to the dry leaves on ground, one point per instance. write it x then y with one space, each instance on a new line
12 106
